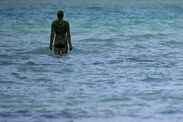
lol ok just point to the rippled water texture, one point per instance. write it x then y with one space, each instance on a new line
126 65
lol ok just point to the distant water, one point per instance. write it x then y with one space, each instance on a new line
126 65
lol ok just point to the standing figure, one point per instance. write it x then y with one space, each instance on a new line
60 37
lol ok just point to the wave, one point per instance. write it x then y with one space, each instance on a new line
41 50
149 35
47 51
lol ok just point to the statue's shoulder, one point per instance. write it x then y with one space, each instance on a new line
54 22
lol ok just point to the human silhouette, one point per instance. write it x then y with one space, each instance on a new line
60 37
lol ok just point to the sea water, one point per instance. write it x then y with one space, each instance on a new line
126 64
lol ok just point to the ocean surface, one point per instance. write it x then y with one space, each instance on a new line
126 64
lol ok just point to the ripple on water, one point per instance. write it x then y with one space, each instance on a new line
6 56
40 50
8 82
139 59
33 69
19 76
151 79
30 63
115 99
6 62
171 111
